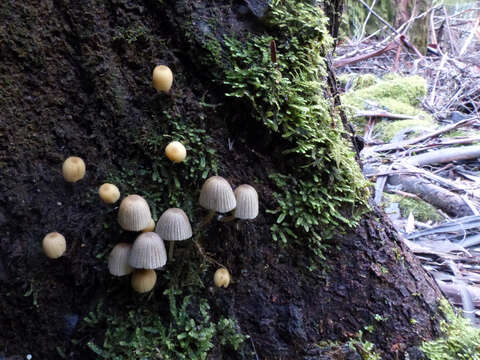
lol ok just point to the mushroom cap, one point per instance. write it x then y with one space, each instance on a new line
143 280
247 202
148 252
221 278
109 193
150 227
134 213
73 169
175 151
118 260
217 195
174 225
162 78
54 245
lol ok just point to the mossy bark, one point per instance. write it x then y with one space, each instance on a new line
76 80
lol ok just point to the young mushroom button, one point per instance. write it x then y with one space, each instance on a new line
73 169
143 280
162 78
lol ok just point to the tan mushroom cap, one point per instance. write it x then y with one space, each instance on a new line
109 193
174 225
143 280
73 169
54 245
175 151
118 260
134 213
148 252
221 278
162 78
217 195
247 202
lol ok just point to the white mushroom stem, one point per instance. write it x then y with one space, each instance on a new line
170 250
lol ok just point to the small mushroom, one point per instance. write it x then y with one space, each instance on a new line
162 78
73 169
118 260
217 196
134 213
174 225
54 245
148 252
109 193
175 151
221 278
143 280
150 227
247 204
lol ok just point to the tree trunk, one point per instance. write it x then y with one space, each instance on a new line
76 80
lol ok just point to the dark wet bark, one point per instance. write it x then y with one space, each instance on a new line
75 79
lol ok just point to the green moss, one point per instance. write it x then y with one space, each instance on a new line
357 81
325 192
460 339
142 333
386 130
421 210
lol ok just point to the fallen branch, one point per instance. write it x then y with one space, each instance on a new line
342 62
382 113
445 155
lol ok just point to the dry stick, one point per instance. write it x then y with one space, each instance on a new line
470 38
405 143
437 75
449 30
342 62
379 17
205 256
445 155
382 113
380 184
397 58
362 33
432 30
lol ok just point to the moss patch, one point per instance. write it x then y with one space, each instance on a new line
460 339
356 81
394 93
324 191
421 210
387 130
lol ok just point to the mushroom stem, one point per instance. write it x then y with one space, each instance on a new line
207 219
227 218
170 250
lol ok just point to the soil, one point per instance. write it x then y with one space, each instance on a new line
75 79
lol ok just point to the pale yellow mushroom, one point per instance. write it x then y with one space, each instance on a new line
176 152
143 280
54 245
162 78
221 278
73 169
109 193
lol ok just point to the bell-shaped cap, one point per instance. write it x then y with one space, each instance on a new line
134 213
174 225
118 260
148 252
247 202
143 280
217 195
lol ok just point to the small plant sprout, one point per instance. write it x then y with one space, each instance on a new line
174 225
109 193
247 204
118 260
176 152
148 252
73 169
143 280
222 278
150 227
54 245
134 213
162 78
217 196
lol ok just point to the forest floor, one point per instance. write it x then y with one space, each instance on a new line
418 118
